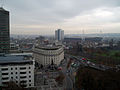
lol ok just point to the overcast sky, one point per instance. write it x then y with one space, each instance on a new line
73 16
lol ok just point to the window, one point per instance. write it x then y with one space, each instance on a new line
29 84
29 71
11 72
15 68
23 77
24 81
16 77
4 82
23 85
29 76
29 68
16 72
4 78
29 80
22 72
4 73
22 68
3 69
11 68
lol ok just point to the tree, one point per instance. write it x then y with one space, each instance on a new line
60 78
92 79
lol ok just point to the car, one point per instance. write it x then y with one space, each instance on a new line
59 68
83 58
88 62
93 64
67 71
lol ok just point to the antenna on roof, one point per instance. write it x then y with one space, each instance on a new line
83 32
101 32
83 35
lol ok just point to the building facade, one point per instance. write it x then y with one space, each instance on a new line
4 31
15 68
46 55
59 35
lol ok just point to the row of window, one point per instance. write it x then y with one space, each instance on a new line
4 27
22 77
21 68
5 38
4 32
15 73
21 82
4 42
4 47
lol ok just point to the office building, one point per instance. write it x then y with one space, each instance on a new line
45 55
59 35
4 31
18 69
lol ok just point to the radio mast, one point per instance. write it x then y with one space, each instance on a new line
83 35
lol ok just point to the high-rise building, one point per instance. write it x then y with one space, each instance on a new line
59 35
4 31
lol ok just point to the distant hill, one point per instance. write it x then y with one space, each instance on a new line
69 35
94 35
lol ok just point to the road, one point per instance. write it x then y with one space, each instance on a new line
68 84
90 64
69 77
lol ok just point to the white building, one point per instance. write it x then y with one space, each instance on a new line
46 54
59 35
15 68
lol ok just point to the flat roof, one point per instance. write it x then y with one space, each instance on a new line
22 54
13 59
47 48
53 47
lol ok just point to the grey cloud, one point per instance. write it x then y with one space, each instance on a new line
37 12
53 10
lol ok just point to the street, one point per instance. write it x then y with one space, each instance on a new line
68 82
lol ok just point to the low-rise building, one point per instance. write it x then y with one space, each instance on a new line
15 68
45 55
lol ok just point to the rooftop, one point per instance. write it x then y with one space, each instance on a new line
14 59
49 47
2 9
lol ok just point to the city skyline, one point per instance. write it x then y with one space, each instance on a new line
39 17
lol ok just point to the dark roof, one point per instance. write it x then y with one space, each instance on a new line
13 59
2 9
49 47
